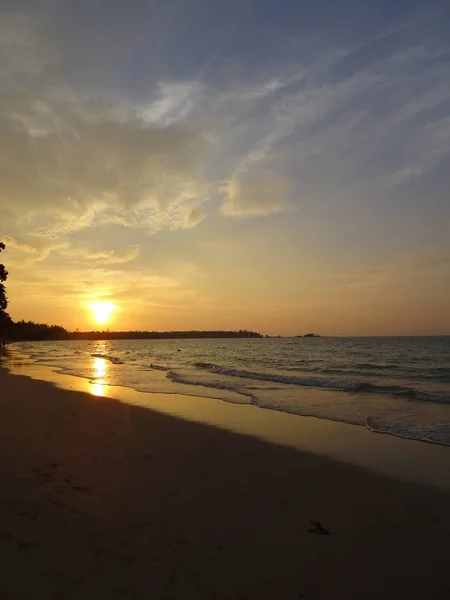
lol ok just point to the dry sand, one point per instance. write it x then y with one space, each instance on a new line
104 500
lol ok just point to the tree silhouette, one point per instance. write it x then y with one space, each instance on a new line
4 317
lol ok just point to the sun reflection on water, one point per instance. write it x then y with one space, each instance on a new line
100 367
99 386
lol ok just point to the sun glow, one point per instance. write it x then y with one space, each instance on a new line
102 311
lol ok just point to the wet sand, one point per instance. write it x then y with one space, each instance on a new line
104 500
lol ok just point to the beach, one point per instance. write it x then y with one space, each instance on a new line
396 386
102 499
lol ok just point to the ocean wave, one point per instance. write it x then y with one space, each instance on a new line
347 372
218 385
341 384
376 366
431 377
112 359
434 434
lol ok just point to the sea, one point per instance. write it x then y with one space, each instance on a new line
390 385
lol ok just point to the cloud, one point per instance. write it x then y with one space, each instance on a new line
20 246
115 257
175 100
106 133
341 132
79 153
255 193
24 252
76 172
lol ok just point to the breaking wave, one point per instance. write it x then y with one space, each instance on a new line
344 385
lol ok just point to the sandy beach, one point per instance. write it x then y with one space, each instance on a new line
100 499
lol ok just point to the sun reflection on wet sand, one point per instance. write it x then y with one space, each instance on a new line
98 389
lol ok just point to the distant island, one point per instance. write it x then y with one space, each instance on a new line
27 331
309 335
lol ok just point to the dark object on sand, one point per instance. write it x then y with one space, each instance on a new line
317 528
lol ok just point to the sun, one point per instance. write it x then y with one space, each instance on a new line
102 311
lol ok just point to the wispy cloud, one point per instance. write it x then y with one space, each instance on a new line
25 252
254 192
115 257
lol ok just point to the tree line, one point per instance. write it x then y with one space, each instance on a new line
31 331
156 335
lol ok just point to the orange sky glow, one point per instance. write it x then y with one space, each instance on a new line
199 173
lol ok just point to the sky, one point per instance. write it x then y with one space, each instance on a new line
280 166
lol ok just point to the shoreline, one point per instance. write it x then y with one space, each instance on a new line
102 499
411 460
384 404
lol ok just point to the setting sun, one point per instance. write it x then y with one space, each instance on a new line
101 311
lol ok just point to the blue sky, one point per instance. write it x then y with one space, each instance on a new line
282 166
